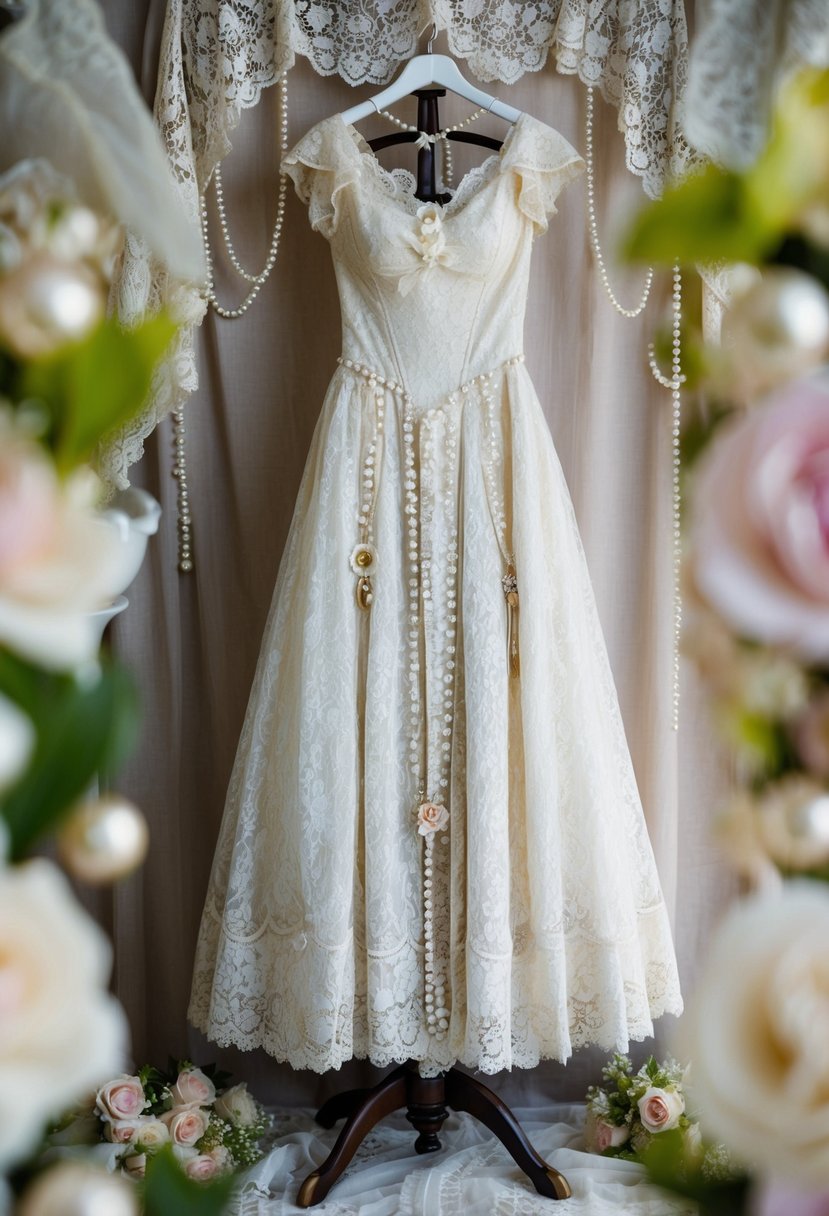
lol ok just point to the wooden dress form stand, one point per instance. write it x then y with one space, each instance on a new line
427 1100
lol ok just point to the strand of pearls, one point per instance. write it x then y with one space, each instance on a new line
676 487
257 281
185 549
593 224
441 136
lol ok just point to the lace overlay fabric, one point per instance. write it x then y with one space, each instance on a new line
742 52
218 55
550 927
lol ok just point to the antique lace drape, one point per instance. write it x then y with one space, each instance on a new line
744 49
217 57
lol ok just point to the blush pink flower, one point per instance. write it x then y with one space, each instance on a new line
186 1124
601 1135
202 1168
760 527
660 1109
192 1087
121 1098
431 817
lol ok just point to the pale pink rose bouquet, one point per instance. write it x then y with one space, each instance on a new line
631 1108
212 1128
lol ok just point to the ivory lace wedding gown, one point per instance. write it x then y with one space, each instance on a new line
433 846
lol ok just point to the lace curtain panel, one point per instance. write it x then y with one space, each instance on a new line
218 55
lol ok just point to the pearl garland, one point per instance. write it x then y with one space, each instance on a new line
593 224
441 136
185 552
256 280
432 614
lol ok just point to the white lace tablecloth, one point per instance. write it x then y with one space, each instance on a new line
472 1175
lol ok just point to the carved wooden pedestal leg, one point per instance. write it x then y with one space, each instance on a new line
426 1100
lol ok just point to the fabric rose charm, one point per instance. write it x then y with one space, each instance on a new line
431 817
429 242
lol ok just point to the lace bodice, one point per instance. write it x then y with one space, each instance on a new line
431 295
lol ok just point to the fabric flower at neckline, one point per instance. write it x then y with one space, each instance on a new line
431 817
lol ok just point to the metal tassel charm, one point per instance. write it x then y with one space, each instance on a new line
510 584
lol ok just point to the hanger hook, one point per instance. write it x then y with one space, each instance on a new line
433 33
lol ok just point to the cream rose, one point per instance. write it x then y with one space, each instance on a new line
59 560
760 521
192 1087
660 1109
121 1098
756 1032
60 1030
237 1106
152 1133
136 1165
202 1167
186 1124
223 1158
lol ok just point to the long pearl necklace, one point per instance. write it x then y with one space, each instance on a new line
259 279
442 136
593 224
672 383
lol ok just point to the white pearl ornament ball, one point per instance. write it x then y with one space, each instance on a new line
73 1189
103 840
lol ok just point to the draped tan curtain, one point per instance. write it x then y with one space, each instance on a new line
193 640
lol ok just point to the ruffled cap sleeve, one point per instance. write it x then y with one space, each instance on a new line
321 165
543 163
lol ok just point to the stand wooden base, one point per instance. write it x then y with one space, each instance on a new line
428 1101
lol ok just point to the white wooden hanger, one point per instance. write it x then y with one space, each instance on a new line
422 72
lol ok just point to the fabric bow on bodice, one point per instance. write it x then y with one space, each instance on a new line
417 280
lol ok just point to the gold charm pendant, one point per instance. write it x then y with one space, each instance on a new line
510 584
363 563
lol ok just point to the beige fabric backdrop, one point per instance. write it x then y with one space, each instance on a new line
193 641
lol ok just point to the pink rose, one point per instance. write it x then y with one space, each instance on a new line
193 1088
121 1131
602 1135
122 1098
186 1124
202 1167
777 1199
760 527
223 1158
431 817
660 1109
29 504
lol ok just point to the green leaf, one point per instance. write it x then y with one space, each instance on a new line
668 1167
83 730
92 387
707 217
168 1192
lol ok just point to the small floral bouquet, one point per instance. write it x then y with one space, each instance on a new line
213 1129
629 1109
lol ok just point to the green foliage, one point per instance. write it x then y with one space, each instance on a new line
167 1191
719 215
705 1181
84 727
88 389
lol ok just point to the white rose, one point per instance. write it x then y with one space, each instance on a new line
59 560
660 1109
74 1187
186 1124
152 1133
756 1033
237 1106
121 1098
192 1087
60 1030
